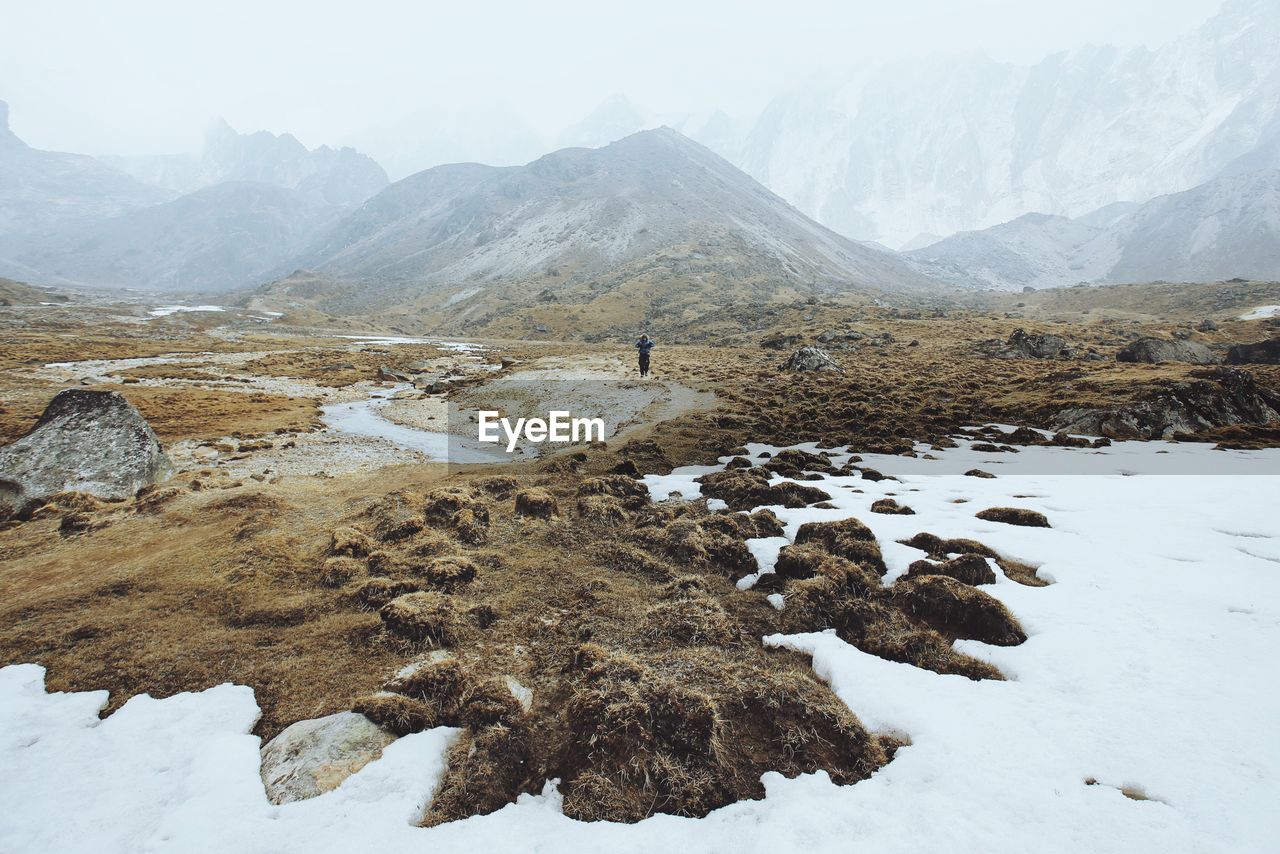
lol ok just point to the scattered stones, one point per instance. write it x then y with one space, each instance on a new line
391 375
312 757
978 473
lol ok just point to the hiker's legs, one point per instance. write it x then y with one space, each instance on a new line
644 364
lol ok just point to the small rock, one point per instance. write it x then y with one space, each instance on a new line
312 757
810 359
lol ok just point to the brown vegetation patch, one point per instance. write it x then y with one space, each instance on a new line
847 538
425 617
743 489
891 507
958 610
941 550
1014 516
967 568
537 503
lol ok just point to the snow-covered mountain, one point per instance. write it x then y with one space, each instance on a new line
1226 228
336 176
653 198
43 189
964 143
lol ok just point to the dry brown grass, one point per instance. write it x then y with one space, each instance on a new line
650 691
178 413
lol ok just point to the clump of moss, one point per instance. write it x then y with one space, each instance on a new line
1014 516
425 617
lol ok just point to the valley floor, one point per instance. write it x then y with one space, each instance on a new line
1112 693
1137 716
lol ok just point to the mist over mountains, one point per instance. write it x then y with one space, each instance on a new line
1102 164
341 176
928 148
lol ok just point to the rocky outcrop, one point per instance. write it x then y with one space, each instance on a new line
312 757
1262 353
1216 397
1024 345
810 359
86 441
781 341
1152 350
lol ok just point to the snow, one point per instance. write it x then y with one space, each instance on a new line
1261 312
1149 668
452 346
166 310
178 774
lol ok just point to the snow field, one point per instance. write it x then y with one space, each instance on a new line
1149 667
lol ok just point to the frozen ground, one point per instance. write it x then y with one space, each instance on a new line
1149 670
1261 312
166 310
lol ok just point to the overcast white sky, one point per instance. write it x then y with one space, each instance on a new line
144 76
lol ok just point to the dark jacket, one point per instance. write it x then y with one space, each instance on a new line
644 346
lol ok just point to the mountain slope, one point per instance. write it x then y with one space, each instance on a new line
1223 229
42 189
583 214
226 236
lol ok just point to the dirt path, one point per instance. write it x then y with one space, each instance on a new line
591 386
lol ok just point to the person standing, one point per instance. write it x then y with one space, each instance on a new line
643 346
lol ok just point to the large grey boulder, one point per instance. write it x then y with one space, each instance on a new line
1159 350
1262 353
87 441
810 359
314 756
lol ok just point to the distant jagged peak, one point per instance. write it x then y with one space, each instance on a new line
222 135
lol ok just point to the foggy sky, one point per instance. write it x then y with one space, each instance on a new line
138 76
